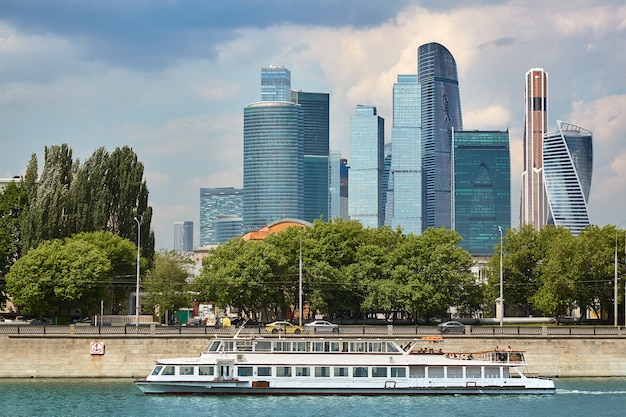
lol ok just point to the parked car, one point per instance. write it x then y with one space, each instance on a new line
283 327
451 327
322 326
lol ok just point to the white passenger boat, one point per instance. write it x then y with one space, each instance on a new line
340 366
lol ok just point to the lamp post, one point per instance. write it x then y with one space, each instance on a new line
501 281
138 220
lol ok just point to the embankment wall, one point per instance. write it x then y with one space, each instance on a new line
26 356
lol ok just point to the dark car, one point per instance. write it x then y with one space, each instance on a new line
451 327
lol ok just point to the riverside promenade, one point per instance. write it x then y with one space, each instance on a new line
130 352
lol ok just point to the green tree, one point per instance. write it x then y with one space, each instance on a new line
165 285
12 204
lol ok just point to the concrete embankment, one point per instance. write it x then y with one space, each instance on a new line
26 356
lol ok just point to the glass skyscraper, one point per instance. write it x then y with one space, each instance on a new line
387 184
365 198
216 202
482 188
273 163
275 83
183 236
567 169
316 115
441 112
406 163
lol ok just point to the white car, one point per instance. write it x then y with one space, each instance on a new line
321 326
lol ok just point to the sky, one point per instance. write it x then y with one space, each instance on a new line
171 78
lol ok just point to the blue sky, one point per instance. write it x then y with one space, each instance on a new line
171 78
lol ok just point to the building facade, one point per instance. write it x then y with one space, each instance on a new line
273 164
567 170
183 236
481 188
275 83
440 113
533 201
216 202
406 164
316 130
367 137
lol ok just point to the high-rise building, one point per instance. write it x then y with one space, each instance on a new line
406 165
533 202
365 200
273 163
334 190
183 236
387 184
316 115
343 188
227 227
215 202
567 169
441 112
275 83
482 188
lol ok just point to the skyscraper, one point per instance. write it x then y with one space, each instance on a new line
387 184
215 202
316 115
183 236
365 199
482 188
441 112
334 190
567 170
533 202
275 83
273 163
406 163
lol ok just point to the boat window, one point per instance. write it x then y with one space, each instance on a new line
391 347
379 372
357 346
322 371
264 371
455 372
214 346
229 346
283 371
505 373
263 346
303 371
417 372
472 372
341 371
374 347
435 371
244 371
185 370
282 346
492 372
299 346
397 372
156 370
205 370
334 347
359 372
169 370
318 346
244 346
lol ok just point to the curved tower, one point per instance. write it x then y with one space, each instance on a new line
567 169
441 113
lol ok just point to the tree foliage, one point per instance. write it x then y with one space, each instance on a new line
165 285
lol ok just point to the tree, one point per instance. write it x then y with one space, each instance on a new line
12 204
166 285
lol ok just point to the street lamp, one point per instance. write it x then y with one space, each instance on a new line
138 220
501 281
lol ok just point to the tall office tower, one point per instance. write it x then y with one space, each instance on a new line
275 83
567 169
533 202
215 202
316 115
387 184
273 163
183 236
441 112
343 188
334 181
227 227
482 188
406 165
365 200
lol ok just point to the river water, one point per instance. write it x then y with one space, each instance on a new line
115 397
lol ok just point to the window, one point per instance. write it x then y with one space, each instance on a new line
391 347
455 372
282 346
205 370
322 371
214 346
318 346
156 370
263 346
303 371
299 346
359 371
435 372
334 346
492 372
357 346
398 372
283 371
379 372
169 370
341 371
472 372
244 371
375 347
264 371
185 370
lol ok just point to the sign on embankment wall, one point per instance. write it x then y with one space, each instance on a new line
103 356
